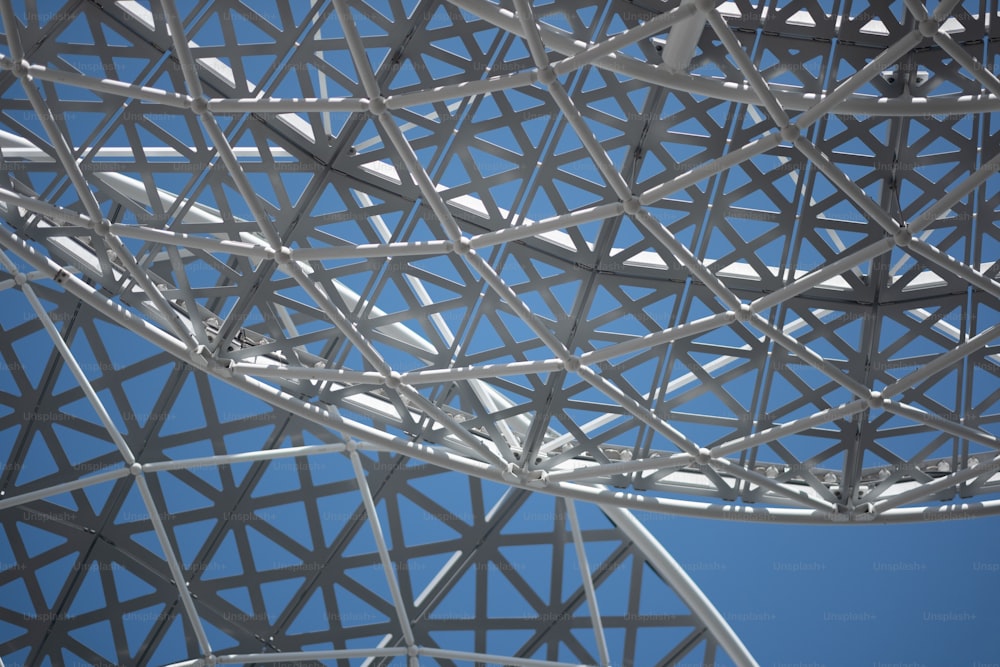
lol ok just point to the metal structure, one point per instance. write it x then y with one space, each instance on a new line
320 319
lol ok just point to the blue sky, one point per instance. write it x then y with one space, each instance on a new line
919 595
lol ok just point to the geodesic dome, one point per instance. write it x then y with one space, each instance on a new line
321 319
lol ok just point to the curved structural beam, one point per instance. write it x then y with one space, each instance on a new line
671 571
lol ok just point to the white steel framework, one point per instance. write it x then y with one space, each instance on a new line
302 272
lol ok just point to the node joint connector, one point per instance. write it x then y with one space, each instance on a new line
744 313
928 27
902 237
392 380
875 400
20 68
790 133
572 363
377 106
199 105
536 478
865 513
283 256
201 357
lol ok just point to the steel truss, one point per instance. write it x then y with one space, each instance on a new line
733 260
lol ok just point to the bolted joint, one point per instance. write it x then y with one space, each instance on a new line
283 256
461 246
841 513
102 227
199 105
546 76
201 356
631 206
377 106
537 478
790 133
928 27
226 367
20 68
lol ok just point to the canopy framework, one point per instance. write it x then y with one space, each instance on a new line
758 280
299 525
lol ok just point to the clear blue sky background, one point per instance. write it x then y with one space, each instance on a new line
913 595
